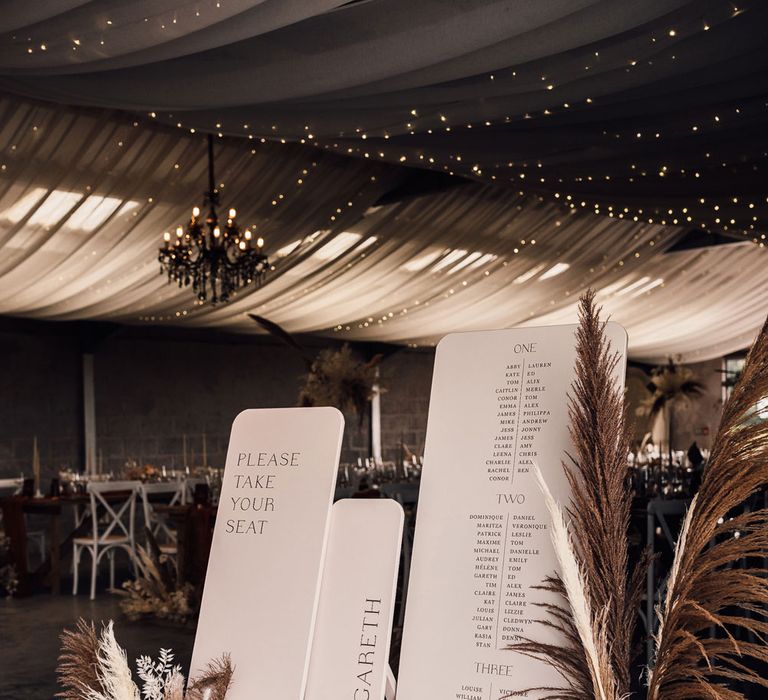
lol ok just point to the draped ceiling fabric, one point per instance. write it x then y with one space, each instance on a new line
597 134
658 106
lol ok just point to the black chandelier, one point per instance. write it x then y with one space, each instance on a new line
216 260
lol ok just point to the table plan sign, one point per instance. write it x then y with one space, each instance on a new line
498 405
263 581
350 652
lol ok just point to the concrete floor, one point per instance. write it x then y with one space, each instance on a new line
29 639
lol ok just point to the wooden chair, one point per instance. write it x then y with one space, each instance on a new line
174 491
10 487
113 514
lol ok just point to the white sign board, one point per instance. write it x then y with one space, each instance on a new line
263 581
499 403
350 652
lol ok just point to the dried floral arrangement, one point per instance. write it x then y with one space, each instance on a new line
93 666
137 472
335 377
672 385
709 586
155 592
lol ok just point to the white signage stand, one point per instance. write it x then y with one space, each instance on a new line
390 692
263 581
350 651
499 403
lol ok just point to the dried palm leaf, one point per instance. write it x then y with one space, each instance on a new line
281 334
214 681
713 584
599 515
79 662
670 384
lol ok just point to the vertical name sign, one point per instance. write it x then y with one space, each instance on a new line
350 652
263 582
499 403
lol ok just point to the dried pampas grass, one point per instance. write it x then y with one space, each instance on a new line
78 669
598 611
113 670
601 500
589 627
174 687
714 584
95 667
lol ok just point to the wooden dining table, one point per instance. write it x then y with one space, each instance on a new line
193 524
59 549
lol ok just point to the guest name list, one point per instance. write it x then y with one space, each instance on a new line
506 543
499 405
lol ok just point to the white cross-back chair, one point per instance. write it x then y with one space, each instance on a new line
188 495
11 487
112 528
158 526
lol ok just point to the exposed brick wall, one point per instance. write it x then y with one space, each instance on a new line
153 386
150 392
406 378
40 375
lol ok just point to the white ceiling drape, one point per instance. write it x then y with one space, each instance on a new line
659 105
711 303
86 195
